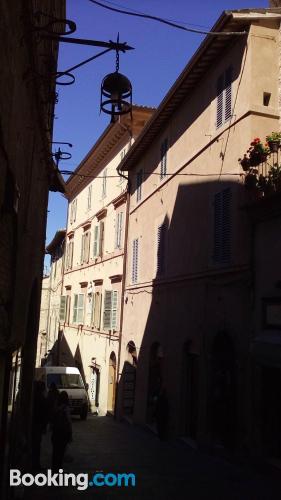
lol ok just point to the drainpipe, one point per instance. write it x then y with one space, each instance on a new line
123 277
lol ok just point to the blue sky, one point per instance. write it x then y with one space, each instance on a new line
161 52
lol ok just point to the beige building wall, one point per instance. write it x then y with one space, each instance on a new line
94 261
179 312
44 320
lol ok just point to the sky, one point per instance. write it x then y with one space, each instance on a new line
161 53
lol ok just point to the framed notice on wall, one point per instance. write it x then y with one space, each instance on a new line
272 313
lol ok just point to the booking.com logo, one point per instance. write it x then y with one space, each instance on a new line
81 481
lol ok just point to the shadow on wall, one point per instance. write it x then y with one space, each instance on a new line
61 355
198 323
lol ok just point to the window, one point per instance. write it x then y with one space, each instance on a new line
139 184
161 249
78 309
85 247
64 307
89 200
163 163
98 246
119 230
96 311
73 211
103 194
135 260
110 310
224 97
222 226
69 254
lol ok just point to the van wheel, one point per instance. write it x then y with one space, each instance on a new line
84 414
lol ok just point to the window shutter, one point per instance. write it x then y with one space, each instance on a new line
97 309
63 302
82 249
220 83
228 94
104 183
71 254
114 309
75 308
135 261
161 243
118 230
222 226
80 312
89 197
96 241
101 239
139 185
163 166
107 310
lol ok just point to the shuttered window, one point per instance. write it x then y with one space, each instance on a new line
222 227
135 260
69 254
161 249
78 308
110 310
63 307
119 230
224 97
96 241
103 194
85 247
89 201
101 238
139 185
96 312
163 162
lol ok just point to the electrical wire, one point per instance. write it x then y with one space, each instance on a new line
166 19
169 23
68 172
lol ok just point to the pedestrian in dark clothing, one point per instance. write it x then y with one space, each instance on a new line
52 402
62 430
39 422
162 414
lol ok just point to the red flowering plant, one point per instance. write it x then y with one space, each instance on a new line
256 154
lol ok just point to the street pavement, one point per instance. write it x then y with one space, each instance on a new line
163 469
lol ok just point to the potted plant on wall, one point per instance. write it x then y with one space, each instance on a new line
273 141
274 176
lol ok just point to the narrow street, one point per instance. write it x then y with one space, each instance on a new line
164 470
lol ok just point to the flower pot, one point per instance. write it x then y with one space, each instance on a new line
255 158
274 146
250 181
245 164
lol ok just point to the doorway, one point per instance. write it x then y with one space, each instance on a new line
111 383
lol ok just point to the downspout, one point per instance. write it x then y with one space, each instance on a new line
123 275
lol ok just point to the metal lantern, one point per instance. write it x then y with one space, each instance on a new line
116 95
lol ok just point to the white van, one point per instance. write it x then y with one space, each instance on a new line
67 378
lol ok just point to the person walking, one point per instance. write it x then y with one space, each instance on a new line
61 430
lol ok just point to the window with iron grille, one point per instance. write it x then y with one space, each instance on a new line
139 185
224 97
78 308
119 230
110 309
163 162
222 227
161 249
135 260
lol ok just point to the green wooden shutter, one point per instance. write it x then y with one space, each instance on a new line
114 305
75 308
96 241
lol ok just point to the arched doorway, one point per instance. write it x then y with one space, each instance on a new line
111 382
129 379
155 379
223 394
190 383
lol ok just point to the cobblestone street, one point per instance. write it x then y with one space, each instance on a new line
164 470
